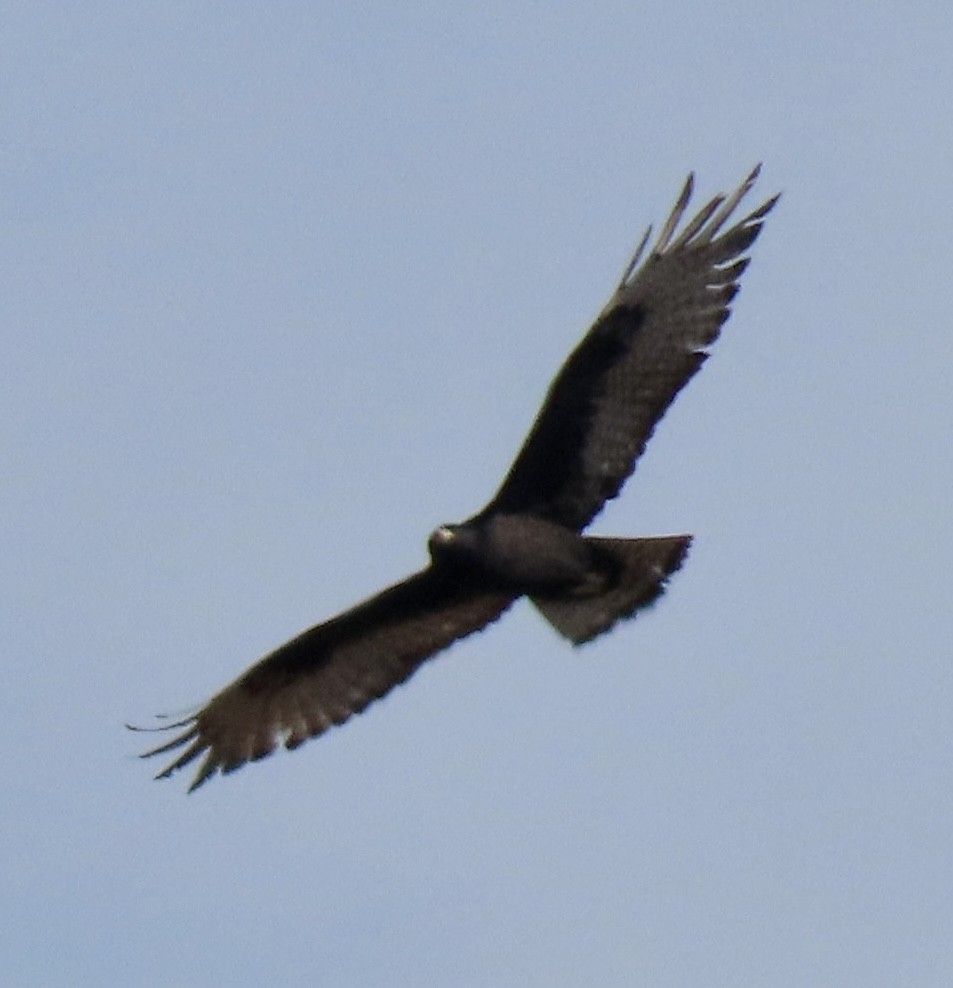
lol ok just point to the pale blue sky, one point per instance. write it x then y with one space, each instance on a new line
282 288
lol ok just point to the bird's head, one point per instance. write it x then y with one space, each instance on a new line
443 541
457 545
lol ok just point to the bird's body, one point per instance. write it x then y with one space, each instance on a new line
599 413
518 552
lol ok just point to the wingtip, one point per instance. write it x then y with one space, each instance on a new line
688 190
675 217
200 779
702 228
156 728
636 257
748 183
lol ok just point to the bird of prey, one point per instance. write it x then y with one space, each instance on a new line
652 336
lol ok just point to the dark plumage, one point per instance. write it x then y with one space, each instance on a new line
601 409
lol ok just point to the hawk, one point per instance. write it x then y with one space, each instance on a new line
600 411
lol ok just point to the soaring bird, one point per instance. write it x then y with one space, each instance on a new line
601 409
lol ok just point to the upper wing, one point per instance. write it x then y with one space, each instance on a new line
645 346
330 672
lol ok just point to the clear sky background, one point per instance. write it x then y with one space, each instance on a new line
282 288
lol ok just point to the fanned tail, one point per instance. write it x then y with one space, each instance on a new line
637 572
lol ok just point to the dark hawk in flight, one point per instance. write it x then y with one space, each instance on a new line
652 336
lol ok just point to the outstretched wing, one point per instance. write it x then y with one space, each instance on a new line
331 672
645 346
